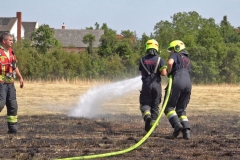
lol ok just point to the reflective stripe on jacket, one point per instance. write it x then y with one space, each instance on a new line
7 66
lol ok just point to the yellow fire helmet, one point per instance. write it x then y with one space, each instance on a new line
152 43
177 45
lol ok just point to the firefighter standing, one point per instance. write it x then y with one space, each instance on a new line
8 70
152 68
179 67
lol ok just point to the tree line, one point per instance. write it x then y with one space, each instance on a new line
214 51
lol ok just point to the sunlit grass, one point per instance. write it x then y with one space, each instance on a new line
49 97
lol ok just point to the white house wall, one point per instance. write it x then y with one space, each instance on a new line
13 31
36 26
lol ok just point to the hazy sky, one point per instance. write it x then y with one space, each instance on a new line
134 15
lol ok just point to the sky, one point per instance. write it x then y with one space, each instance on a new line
135 15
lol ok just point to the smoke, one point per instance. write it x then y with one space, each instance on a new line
92 100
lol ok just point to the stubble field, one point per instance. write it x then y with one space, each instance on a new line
46 132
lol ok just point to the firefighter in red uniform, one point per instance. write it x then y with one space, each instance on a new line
8 71
152 68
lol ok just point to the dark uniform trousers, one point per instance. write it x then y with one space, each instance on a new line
8 97
179 98
150 96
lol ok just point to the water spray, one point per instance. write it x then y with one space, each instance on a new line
97 95
137 144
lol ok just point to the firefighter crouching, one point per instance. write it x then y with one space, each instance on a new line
179 68
8 71
152 68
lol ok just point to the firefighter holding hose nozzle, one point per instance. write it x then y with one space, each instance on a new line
152 68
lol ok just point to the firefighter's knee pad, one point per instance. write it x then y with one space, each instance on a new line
2 104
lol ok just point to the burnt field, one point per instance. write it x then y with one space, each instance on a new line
58 136
46 132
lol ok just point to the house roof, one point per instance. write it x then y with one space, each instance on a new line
29 27
74 37
6 23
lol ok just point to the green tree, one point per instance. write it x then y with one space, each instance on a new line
89 28
128 34
164 33
209 34
43 38
108 41
208 53
228 32
130 38
143 42
184 26
123 49
230 70
97 25
89 38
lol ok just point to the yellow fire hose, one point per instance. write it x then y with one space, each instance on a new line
137 144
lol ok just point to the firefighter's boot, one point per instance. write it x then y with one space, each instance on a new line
12 128
186 134
147 120
177 129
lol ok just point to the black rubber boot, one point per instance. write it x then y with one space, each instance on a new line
147 120
186 134
177 129
12 128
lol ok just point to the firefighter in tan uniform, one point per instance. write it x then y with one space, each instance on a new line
8 71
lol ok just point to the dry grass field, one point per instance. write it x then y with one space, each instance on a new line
46 132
